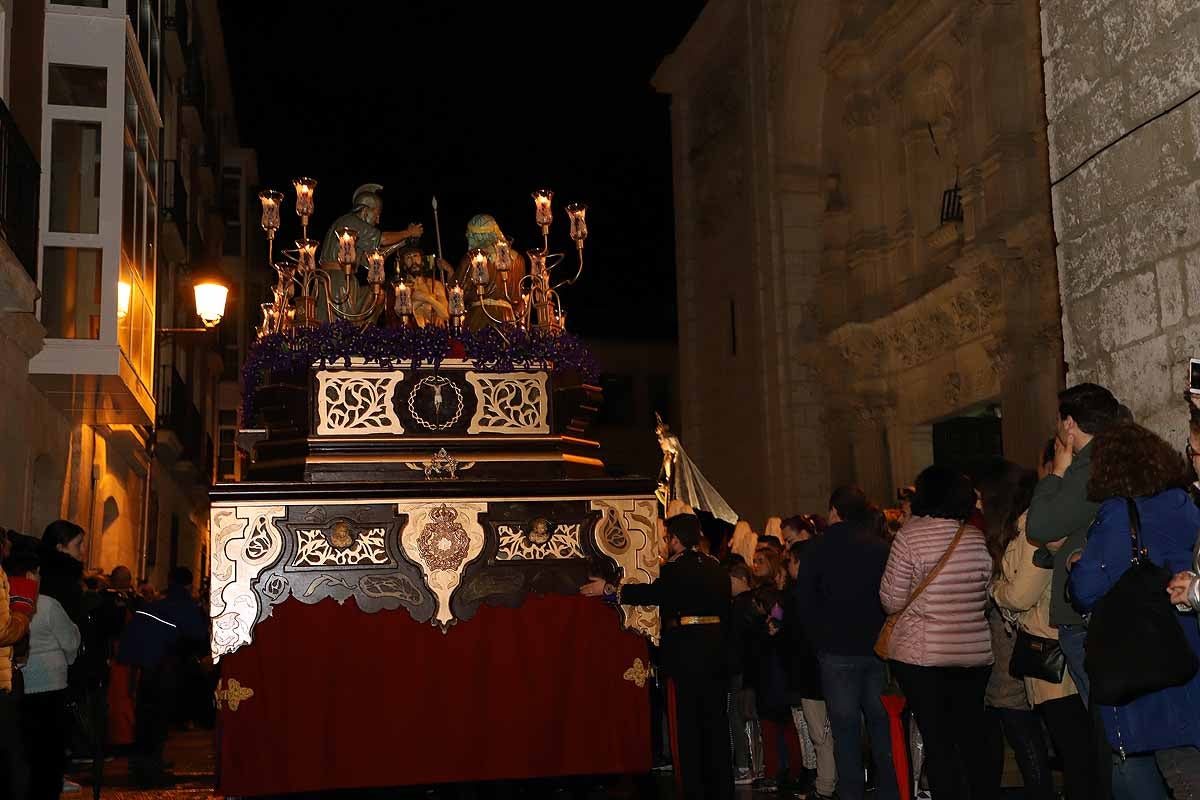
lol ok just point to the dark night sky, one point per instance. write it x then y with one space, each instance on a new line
478 103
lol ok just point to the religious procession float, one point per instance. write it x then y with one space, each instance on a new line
394 587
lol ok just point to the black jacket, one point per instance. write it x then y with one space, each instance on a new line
838 590
62 579
800 654
690 585
173 626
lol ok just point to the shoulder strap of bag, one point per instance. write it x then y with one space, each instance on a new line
933 573
1135 530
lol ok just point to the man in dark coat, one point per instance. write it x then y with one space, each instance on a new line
837 591
692 594
154 640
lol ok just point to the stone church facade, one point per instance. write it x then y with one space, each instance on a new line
864 238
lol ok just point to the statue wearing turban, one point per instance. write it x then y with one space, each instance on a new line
491 301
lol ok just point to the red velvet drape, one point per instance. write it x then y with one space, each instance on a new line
348 699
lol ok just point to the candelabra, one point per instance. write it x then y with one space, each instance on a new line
302 283
539 306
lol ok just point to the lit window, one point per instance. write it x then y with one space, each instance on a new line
71 292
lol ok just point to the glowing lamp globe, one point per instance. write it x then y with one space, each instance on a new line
212 290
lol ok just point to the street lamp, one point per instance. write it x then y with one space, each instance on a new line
211 289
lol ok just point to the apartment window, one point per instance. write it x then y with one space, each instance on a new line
74 176
71 292
72 85
231 204
128 203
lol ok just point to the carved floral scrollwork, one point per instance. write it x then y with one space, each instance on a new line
510 403
518 545
316 548
357 402
245 541
638 560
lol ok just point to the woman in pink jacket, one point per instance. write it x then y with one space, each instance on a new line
941 647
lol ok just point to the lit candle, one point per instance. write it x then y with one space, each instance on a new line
305 189
541 203
577 212
479 271
537 262
347 237
503 258
404 305
270 200
306 250
375 274
457 306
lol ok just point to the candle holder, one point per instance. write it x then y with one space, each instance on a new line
543 213
271 201
375 273
347 256
306 188
306 255
404 304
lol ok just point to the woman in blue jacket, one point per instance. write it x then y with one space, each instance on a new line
1130 461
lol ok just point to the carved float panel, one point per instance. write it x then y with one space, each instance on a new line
628 533
439 560
245 541
354 402
511 403
442 539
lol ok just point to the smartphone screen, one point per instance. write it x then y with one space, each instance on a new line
1194 384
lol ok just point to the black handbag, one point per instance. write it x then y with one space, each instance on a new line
1037 657
1135 642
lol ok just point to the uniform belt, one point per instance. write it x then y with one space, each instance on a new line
699 620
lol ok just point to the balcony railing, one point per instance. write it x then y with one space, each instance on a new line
179 415
20 177
175 203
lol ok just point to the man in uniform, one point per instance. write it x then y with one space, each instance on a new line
693 596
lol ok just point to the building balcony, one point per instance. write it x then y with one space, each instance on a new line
176 228
20 178
181 438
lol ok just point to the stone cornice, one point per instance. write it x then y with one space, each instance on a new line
945 318
710 32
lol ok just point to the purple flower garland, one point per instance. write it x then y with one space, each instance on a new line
292 353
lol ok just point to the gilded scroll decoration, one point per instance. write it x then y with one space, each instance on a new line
442 539
638 674
245 541
357 402
234 694
542 541
638 559
510 403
